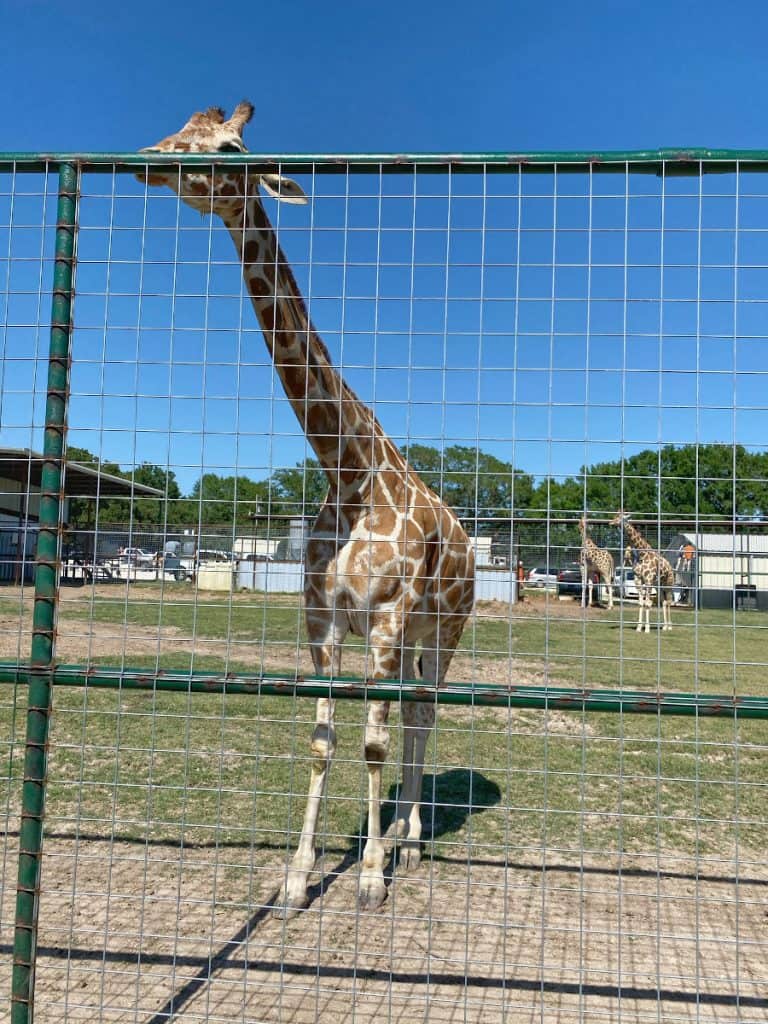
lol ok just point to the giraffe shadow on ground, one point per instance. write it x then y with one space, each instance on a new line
447 801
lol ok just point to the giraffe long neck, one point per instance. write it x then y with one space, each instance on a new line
348 440
637 539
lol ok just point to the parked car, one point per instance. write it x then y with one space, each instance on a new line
624 585
569 580
541 577
138 557
211 555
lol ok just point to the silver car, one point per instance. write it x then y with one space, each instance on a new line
541 577
624 584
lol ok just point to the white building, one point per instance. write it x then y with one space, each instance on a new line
727 570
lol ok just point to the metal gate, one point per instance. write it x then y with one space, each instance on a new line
545 339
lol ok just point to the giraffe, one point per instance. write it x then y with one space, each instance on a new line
594 559
652 572
386 560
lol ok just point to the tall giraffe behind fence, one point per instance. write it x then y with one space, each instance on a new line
386 559
652 572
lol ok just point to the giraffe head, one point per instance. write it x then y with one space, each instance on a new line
217 190
620 519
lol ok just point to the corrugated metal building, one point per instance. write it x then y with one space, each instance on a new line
726 570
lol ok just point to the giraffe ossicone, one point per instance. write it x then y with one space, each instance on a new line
386 560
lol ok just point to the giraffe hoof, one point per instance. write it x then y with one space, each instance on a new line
372 896
289 906
397 829
409 858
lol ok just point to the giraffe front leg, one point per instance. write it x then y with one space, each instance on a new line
322 749
373 892
419 722
326 656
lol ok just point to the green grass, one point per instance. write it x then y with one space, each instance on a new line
235 769
706 652
206 768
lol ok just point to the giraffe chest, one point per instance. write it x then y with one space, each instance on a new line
366 558
359 566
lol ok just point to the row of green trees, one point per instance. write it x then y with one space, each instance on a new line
705 481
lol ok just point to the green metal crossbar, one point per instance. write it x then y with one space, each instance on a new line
694 159
355 688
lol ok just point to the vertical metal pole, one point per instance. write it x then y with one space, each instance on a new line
46 598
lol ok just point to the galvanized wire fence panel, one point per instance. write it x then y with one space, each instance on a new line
542 341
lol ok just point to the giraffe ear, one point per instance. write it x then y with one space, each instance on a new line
282 188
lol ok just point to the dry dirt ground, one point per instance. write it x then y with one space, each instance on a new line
148 932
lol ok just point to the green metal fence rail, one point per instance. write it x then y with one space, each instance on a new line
41 675
676 160
275 684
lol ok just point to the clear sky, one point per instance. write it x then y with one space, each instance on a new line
356 76
416 77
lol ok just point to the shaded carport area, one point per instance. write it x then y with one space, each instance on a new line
20 478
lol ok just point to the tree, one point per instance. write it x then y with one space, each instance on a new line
155 511
714 483
476 484
300 490
228 499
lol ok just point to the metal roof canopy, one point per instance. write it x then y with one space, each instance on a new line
26 466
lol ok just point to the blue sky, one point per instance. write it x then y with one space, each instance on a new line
356 76
440 344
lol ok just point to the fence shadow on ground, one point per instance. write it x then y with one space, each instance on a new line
447 801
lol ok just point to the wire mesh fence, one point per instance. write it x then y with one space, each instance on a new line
546 344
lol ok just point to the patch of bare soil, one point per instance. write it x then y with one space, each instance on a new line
80 640
537 606
152 931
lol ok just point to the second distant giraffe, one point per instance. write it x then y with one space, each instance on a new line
594 559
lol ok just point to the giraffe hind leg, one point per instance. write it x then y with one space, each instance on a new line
399 824
418 721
